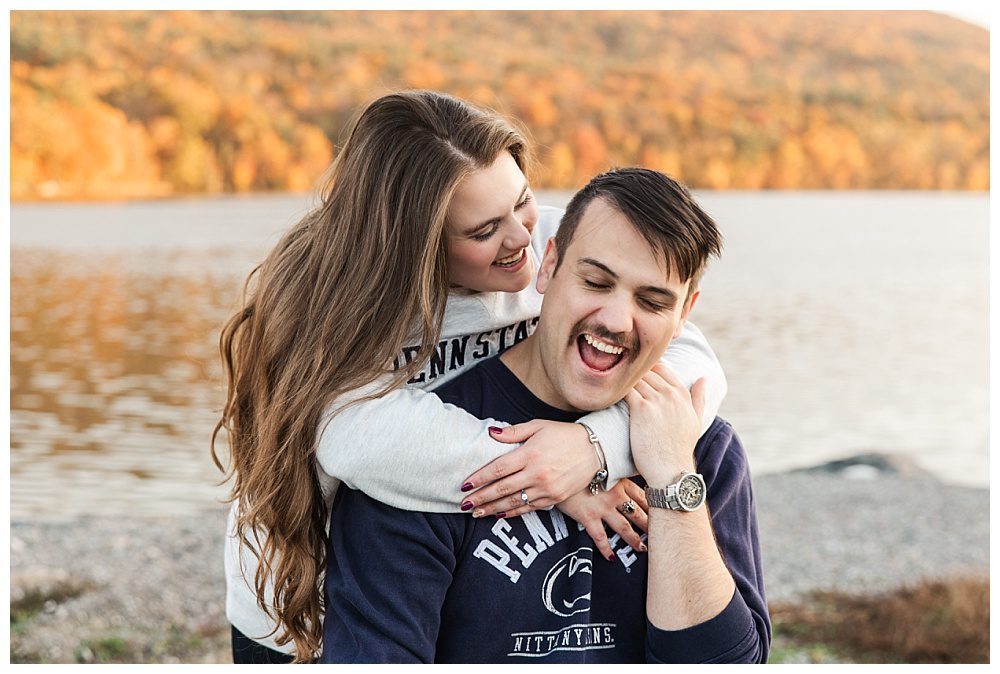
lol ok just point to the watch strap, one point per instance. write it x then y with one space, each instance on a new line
668 498
657 498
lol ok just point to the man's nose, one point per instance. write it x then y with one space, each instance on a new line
616 315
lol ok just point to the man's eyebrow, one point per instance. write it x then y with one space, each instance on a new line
668 294
594 263
492 221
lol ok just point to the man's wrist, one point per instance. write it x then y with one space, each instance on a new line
667 473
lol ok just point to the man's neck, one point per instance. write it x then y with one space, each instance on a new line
524 360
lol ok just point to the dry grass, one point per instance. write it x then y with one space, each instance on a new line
26 603
932 622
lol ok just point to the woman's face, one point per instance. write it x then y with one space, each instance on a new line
489 225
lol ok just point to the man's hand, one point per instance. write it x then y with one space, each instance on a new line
688 579
664 424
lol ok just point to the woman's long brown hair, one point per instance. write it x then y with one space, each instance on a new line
326 312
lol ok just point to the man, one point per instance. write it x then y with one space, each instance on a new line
619 281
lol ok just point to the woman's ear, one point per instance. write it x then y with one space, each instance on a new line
548 267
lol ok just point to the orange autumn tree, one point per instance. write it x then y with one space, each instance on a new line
158 103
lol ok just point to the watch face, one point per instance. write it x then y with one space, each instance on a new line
690 492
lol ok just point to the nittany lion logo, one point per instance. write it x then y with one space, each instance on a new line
560 593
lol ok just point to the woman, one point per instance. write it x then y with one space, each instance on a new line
418 261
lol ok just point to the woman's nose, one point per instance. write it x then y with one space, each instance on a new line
516 235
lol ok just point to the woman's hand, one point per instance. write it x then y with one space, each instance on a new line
556 461
593 512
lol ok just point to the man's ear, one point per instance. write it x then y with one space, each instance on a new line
548 268
686 311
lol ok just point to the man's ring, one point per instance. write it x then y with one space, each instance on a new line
524 497
628 507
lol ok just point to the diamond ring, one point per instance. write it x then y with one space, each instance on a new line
524 497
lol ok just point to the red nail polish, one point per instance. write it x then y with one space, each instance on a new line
500 516
467 486
496 429
466 505
611 558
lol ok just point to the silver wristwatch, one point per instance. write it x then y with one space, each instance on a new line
687 494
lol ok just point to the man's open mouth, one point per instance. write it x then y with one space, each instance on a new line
598 354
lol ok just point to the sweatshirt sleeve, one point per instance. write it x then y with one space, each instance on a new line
729 637
389 587
407 449
742 631
690 357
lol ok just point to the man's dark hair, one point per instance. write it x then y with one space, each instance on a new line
660 208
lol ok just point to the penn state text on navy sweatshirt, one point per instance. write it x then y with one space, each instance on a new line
427 587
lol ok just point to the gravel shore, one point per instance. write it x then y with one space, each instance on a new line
152 589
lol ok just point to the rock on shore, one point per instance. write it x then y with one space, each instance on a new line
152 589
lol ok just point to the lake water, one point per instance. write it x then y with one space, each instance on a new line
846 323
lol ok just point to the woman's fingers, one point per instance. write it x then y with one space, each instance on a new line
508 463
594 525
595 528
504 494
497 469
515 433
637 494
640 519
640 515
512 512
515 494
621 526
513 504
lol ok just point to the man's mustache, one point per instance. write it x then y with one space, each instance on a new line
629 340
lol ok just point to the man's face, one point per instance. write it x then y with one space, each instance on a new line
609 311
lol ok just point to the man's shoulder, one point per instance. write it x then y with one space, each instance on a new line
467 389
720 451
719 434
354 511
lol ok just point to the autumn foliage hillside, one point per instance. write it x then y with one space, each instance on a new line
141 104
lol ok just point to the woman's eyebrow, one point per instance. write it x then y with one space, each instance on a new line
492 221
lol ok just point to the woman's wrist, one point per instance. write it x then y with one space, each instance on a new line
600 480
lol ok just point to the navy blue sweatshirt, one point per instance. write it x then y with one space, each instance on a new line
427 587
